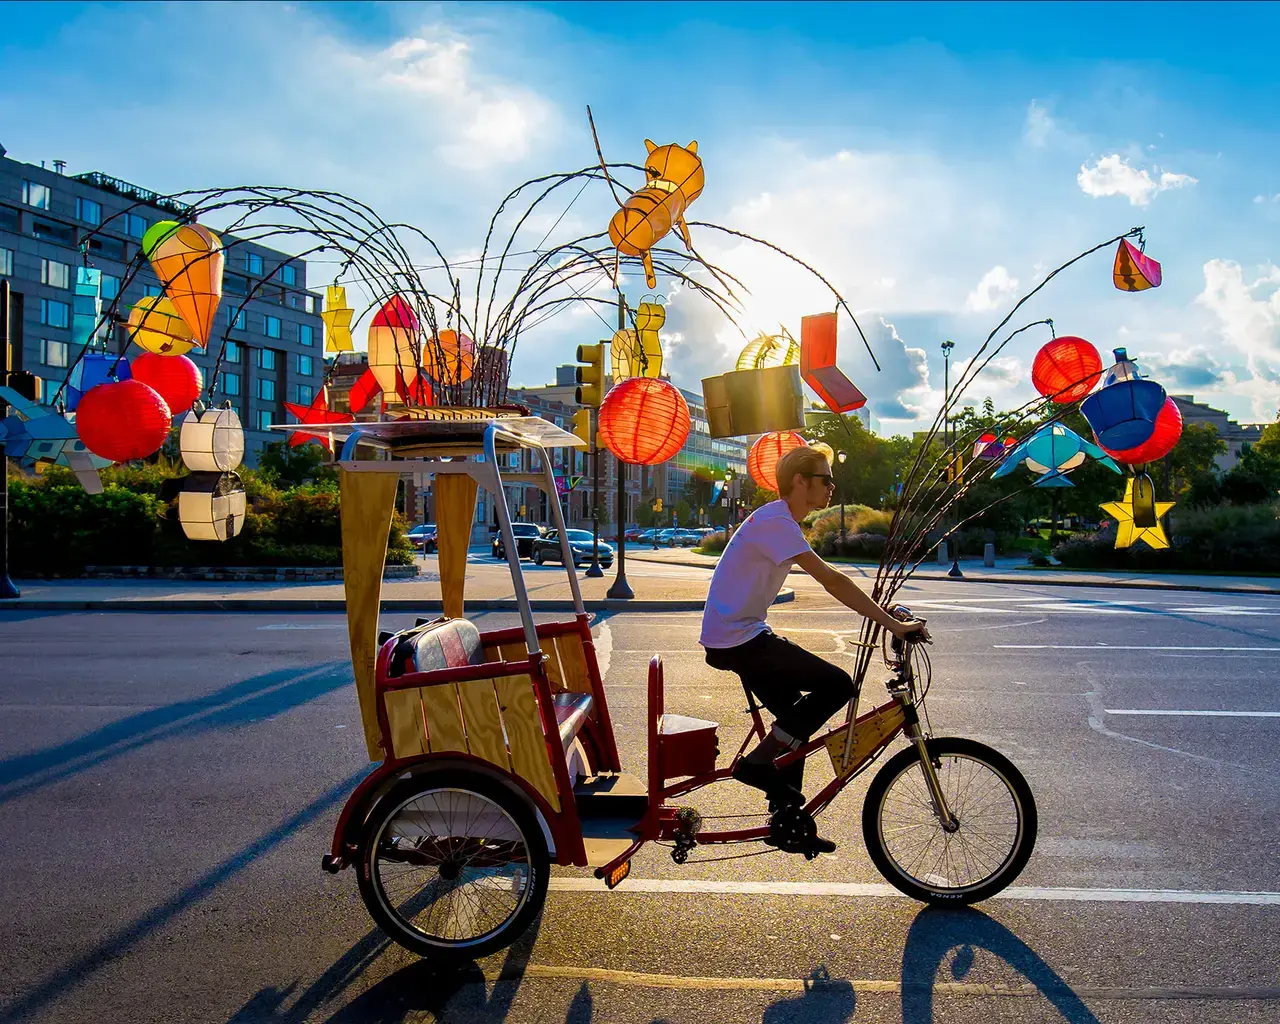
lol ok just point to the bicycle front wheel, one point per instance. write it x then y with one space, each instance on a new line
987 796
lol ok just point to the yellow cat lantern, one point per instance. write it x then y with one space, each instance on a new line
675 179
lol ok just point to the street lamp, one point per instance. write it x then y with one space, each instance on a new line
840 457
728 486
947 438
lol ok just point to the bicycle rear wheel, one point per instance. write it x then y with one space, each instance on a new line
989 798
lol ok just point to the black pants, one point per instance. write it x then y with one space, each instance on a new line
800 689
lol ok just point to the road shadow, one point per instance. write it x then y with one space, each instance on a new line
262 696
823 1001
936 931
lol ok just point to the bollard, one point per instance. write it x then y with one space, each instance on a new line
989 555
943 557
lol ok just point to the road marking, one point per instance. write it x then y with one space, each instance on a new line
864 889
1194 714
1123 647
301 625
603 643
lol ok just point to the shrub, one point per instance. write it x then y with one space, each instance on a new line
713 543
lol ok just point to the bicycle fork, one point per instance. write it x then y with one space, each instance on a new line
911 727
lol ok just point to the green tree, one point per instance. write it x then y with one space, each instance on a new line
286 466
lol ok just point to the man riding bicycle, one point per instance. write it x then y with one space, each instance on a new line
800 689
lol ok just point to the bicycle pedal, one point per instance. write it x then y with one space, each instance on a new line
792 829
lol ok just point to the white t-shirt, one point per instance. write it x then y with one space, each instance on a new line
752 570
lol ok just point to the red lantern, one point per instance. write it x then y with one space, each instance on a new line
175 378
644 420
762 461
1066 369
123 421
1167 431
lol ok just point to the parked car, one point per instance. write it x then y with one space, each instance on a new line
547 548
525 534
424 537
667 538
645 537
687 538
634 533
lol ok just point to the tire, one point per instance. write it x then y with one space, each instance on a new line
445 926
537 557
898 800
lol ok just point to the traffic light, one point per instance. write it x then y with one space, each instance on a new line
582 426
590 375
657 506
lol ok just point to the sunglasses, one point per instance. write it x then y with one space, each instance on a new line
826 478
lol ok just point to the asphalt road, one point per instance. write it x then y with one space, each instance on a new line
169 782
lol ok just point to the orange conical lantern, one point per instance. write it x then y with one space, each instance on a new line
762 460
450 359
188 260
392 341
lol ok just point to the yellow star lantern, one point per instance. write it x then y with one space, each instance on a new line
1132 514
337 320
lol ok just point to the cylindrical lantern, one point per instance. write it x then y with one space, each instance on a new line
211 506
93 369
154 324
762 460
188 259
450 358
991 448
1066 369
644 420
123 420
212 440
392 336
1168 430
175 378
1123 411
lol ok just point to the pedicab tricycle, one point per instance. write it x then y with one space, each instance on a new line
496 749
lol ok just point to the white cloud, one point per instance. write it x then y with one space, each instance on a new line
1267 199
997 286
1115 176
1248 319
1039 125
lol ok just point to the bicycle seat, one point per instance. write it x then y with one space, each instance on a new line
444 643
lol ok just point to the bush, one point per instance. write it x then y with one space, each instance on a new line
60 528
713 543
858 519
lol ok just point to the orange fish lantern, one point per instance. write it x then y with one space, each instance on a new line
156 326
450 358
393 344
188 259
1134 270
674 180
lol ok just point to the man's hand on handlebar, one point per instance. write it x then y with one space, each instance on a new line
913 630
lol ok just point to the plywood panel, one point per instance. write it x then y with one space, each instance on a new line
455 509
485 737
870 733
555 675
444 720
404 719
529 758
573 663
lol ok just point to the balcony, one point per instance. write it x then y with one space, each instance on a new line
130 191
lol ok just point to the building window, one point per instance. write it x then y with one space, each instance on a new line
6 263
306 334
312 304
35 194
266 389
271 326
111 248
152 291
231 352
267 358
295 301
235 318
9 219
235 284
253 263
54 313
265 416
289 274
230 383
54 353
88 211
55 274
306 393
133 225
306 366
110 287
63 233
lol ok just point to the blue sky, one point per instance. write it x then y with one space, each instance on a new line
934 161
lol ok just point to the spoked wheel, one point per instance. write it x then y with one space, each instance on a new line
453 865
989 799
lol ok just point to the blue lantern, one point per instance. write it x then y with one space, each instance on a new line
1053 451
1123 411
93 369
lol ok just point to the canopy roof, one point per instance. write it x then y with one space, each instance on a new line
447 432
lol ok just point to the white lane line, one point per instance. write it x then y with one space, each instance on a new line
863 889
1123 647
603 643
1194 714
301 625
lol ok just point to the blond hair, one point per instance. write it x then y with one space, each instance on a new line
800 460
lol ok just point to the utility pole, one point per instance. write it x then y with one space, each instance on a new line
621 589
948 439
586 424
7 590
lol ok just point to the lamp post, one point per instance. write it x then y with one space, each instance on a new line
7 589
840 457
728 487
620 588
954 572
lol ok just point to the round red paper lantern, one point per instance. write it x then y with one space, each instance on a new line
175 378
644 420
1168 430
1066 369
123 421
762 460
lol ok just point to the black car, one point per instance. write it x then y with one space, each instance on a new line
423 537
547 548
525 534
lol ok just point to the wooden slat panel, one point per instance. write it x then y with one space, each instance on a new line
513 652
404 719
555 675
455 511
485 737
493 652
870 732
524 735
444 720
573 663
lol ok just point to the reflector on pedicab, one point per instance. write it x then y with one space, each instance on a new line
1123 411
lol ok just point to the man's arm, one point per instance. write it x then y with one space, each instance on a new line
848 593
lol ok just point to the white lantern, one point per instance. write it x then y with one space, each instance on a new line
211 506
212 440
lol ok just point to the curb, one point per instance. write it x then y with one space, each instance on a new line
1110 584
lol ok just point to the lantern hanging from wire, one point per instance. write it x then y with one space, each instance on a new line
393 343
1165 435
762 460
212 440
674 180
1066 369
94 368
123 420
175 378
1138 515
644 420
818 364
1123 411
990 448
1052 451
769 350
188 259
212 506
1134 270
450 358
337 320
154 325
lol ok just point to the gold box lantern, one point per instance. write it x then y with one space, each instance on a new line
754 401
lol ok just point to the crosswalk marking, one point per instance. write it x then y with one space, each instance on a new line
1193 714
